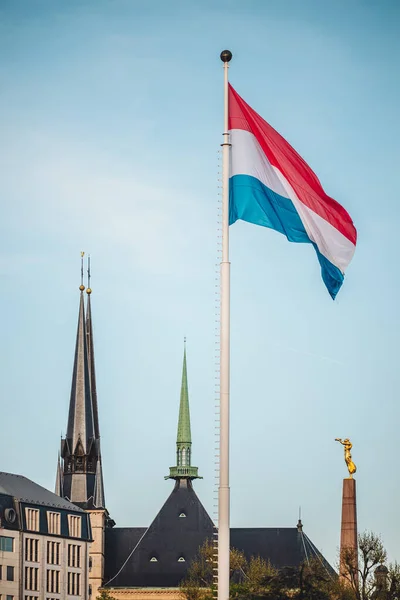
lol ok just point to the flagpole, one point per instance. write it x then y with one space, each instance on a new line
223 490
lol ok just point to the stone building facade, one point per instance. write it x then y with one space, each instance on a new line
44 543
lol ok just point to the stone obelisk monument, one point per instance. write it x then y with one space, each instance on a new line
348 535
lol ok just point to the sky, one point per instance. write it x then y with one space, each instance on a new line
111 122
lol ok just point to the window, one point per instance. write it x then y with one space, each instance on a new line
74 584
90 590
53 522
53 581
32 579
10 573
31 549
182 515
32 519
90 563
74 526
181 559
31 597
153 559
1 575
74 555
53 553
6 544
8 597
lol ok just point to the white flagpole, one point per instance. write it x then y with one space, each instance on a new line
223 490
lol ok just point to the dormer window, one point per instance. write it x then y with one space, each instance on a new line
153 559
182 515
32 519
181 559
53 522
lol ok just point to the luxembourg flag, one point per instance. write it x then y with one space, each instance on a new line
271 185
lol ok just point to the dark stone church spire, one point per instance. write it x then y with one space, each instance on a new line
80 428
80 449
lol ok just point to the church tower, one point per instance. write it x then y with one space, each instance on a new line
79 469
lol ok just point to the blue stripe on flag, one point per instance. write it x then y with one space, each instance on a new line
252 201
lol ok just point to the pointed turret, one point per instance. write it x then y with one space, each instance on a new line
59 478
99 500
183 469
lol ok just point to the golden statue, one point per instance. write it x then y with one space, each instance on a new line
347 455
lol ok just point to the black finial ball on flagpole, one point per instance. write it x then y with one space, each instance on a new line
226 55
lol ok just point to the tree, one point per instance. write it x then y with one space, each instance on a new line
394 581
198 584
358 568
370 579
256 579
104 595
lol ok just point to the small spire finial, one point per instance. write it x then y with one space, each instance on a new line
299 523
89 289
82 287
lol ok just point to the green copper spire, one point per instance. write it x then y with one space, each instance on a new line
184 437
183 469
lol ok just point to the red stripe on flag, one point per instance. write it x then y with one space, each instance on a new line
285 158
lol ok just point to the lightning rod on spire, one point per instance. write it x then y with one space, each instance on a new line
82 287
89 289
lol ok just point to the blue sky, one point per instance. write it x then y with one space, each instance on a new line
111 120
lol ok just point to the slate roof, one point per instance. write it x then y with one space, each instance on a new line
120 541
168 538
282 546
28 491
128 551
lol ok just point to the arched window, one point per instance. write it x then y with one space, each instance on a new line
153 559
188 456
183 457
181 559
182 515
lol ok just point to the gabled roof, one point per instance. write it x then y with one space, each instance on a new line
169 538
28 491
